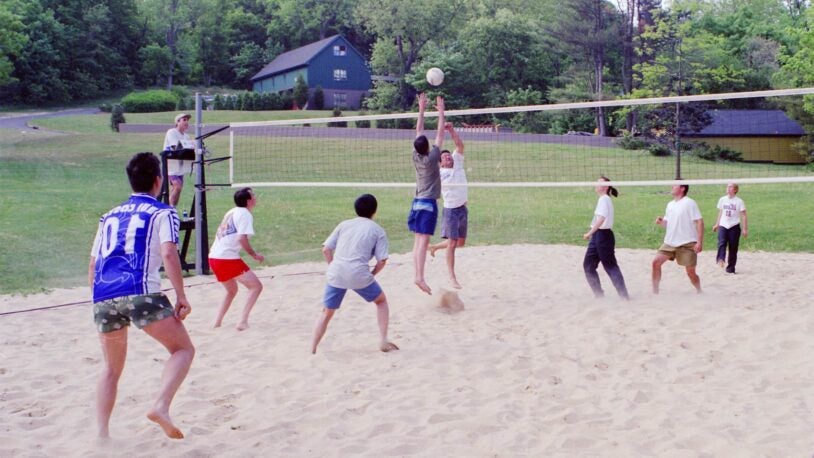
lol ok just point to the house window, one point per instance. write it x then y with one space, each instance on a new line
340 99
340 74
340 50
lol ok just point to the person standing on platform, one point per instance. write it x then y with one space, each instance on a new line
176 139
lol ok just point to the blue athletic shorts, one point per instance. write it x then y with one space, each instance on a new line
423 216
333 296
454 223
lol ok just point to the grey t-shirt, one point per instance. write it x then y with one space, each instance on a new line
355 242
427 174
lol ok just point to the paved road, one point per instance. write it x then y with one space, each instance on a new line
21 121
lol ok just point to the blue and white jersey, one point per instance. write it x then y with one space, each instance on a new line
127 247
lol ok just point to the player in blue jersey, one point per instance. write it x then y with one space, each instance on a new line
131 242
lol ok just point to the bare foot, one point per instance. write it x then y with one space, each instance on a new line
165 423
422 285
242 326
432 251
216 325
388 346
721 263
455 284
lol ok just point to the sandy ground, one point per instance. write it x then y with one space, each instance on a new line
532 366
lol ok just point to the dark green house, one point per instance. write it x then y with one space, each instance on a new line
332 63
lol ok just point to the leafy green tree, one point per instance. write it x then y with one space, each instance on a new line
319 98
12 38
247 63
156 63
410 25
589 29
300 91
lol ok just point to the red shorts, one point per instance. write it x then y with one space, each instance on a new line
227 269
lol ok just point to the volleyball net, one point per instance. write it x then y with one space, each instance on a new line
749 137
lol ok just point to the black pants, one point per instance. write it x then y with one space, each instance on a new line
601 249
729 238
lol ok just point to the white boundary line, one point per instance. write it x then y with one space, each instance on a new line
531 184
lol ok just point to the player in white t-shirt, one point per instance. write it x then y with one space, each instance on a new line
224 256
731 223
348 250
177 138
684 237
455 219
602 244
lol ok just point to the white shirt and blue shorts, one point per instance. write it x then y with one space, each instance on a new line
354 243
455 219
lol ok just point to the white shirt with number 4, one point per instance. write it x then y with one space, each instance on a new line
730 211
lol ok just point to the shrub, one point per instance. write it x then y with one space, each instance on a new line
149 101
319 98
716 153
630 142
337 113
658 150
364 123
116 117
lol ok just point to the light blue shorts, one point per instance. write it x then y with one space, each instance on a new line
333 296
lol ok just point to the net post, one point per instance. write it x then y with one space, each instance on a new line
201 229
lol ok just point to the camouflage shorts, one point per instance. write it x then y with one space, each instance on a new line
117 313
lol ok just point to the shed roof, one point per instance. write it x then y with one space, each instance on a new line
728 123
295 58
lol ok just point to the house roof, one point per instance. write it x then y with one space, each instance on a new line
295 58
728 123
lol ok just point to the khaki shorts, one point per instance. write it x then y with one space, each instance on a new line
683 255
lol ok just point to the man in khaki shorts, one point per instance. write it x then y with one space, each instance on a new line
684 237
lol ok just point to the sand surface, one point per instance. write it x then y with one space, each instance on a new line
532 365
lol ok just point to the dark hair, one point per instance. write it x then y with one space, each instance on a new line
686 188
611 190
242 197
142 170
366 205
422 145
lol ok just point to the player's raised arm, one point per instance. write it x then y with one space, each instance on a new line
439 137
459 144
422 105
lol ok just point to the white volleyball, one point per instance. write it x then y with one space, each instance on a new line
435 76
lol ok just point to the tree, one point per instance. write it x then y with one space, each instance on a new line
409 25
319 98
300 91
12 38
589 29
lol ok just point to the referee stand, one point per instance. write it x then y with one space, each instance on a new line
197 219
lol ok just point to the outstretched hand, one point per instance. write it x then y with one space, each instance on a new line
422 101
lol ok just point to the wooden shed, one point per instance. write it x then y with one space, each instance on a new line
759 135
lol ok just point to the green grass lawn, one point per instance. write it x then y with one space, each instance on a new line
56 185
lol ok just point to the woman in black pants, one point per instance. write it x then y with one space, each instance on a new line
602 245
